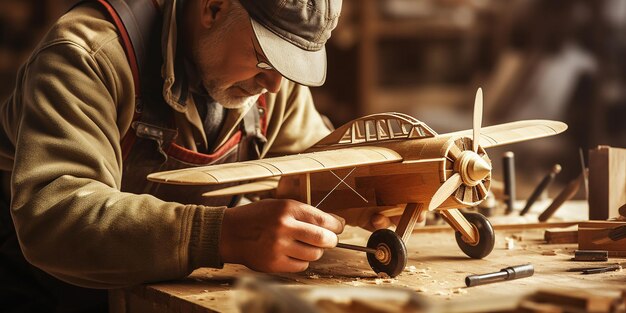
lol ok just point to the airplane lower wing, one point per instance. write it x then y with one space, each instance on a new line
253 187
271 167
498 135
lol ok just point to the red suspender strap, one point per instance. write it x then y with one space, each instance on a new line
127 43
129 138
188 156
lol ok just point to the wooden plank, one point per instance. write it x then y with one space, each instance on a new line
436 269
607 182
590 232
577 299
561 235
527 306
441 228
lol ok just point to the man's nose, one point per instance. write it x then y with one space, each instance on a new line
270 80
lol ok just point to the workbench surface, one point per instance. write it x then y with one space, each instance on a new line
436 269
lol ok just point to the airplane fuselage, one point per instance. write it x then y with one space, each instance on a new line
427 163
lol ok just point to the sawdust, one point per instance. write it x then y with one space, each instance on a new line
548 252
380 281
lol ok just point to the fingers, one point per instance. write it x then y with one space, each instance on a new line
313 235
422 216
380 221
303 252
312 215
396 219
283 264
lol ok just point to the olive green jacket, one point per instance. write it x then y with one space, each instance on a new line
61 162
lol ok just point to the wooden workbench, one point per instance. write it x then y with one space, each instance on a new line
438 274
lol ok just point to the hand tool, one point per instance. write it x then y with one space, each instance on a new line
545 182
508 161
567 193
508 273
614 234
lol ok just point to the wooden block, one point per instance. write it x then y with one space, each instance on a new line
591 255
579 300
561 235
527 306
607 182
591 231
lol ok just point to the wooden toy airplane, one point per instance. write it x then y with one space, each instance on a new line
390 163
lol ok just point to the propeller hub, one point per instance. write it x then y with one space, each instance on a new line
472 167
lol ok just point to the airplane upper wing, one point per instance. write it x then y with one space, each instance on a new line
498 135
286 165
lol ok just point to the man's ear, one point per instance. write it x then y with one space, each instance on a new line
211 11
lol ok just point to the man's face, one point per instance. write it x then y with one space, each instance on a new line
226 60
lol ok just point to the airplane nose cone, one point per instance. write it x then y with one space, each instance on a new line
478 169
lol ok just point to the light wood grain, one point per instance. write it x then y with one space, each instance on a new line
439 271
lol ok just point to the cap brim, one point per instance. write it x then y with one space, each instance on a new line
294 63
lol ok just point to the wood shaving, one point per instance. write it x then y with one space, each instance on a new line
410 269
460 291
510 243
355 283
548 252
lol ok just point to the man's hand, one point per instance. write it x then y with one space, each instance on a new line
379 221
277 235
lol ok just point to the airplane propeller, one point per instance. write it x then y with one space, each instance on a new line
470 167
478 118
449 187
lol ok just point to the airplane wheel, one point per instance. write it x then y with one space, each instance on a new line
486 237
390 257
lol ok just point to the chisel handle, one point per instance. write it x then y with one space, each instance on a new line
567 193
545 182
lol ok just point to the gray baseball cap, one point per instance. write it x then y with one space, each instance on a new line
292 34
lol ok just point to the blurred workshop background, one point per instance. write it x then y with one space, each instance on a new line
560 59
